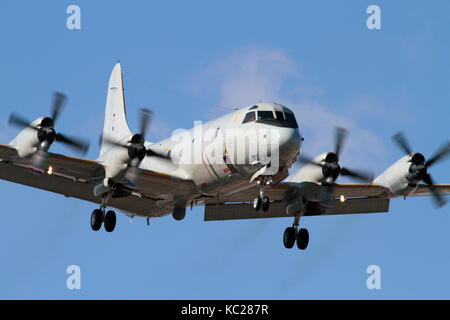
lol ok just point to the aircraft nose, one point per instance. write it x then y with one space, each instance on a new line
289 141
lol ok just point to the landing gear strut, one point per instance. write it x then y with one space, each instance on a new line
99 216
261 202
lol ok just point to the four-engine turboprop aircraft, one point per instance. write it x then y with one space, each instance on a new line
234 166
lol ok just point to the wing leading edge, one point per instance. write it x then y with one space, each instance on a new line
74 177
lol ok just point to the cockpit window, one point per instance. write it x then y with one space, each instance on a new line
278 118
249 117
265 115
291 120
279 115
254 107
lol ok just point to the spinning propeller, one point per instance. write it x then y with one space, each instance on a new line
418 170
45 130
331 169
136 146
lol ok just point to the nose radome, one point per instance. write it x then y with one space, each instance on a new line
289 141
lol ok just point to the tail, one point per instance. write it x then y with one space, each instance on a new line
115 126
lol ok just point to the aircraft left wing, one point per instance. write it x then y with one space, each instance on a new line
359 198
74 177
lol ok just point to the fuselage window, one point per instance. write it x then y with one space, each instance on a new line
265 115
291 120
249 117
279 115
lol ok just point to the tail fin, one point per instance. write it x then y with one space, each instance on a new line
115 126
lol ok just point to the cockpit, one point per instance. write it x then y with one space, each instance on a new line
275 115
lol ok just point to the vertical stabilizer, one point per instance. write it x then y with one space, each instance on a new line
115 126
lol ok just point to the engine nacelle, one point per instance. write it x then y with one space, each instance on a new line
312 173
28 140
399 178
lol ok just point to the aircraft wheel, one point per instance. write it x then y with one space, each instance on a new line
257 203
289 237
265 204
302 239
179 213
96 219
110 221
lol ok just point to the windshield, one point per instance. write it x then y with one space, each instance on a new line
249 117
279 118
290 118
265 115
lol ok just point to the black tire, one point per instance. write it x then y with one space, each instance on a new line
179 213
265 204
302 239
110 221
289 237
96 219
257 203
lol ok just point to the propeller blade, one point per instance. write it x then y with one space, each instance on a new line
439 155
59 99
440 202
112 142
308 160
340 137
39 160
327 196
401 141
18 121
77 144
133 174
365 177
152 153
145 116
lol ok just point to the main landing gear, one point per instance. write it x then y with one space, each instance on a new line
261 201
293 234
99 216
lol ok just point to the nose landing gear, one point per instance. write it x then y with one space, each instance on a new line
261 201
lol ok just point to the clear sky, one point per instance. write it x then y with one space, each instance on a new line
195 60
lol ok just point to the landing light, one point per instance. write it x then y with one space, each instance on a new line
342 198
50 170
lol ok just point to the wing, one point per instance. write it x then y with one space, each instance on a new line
360 198
74 177
423 190
283 191
214 212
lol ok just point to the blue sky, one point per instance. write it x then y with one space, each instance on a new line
197 60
